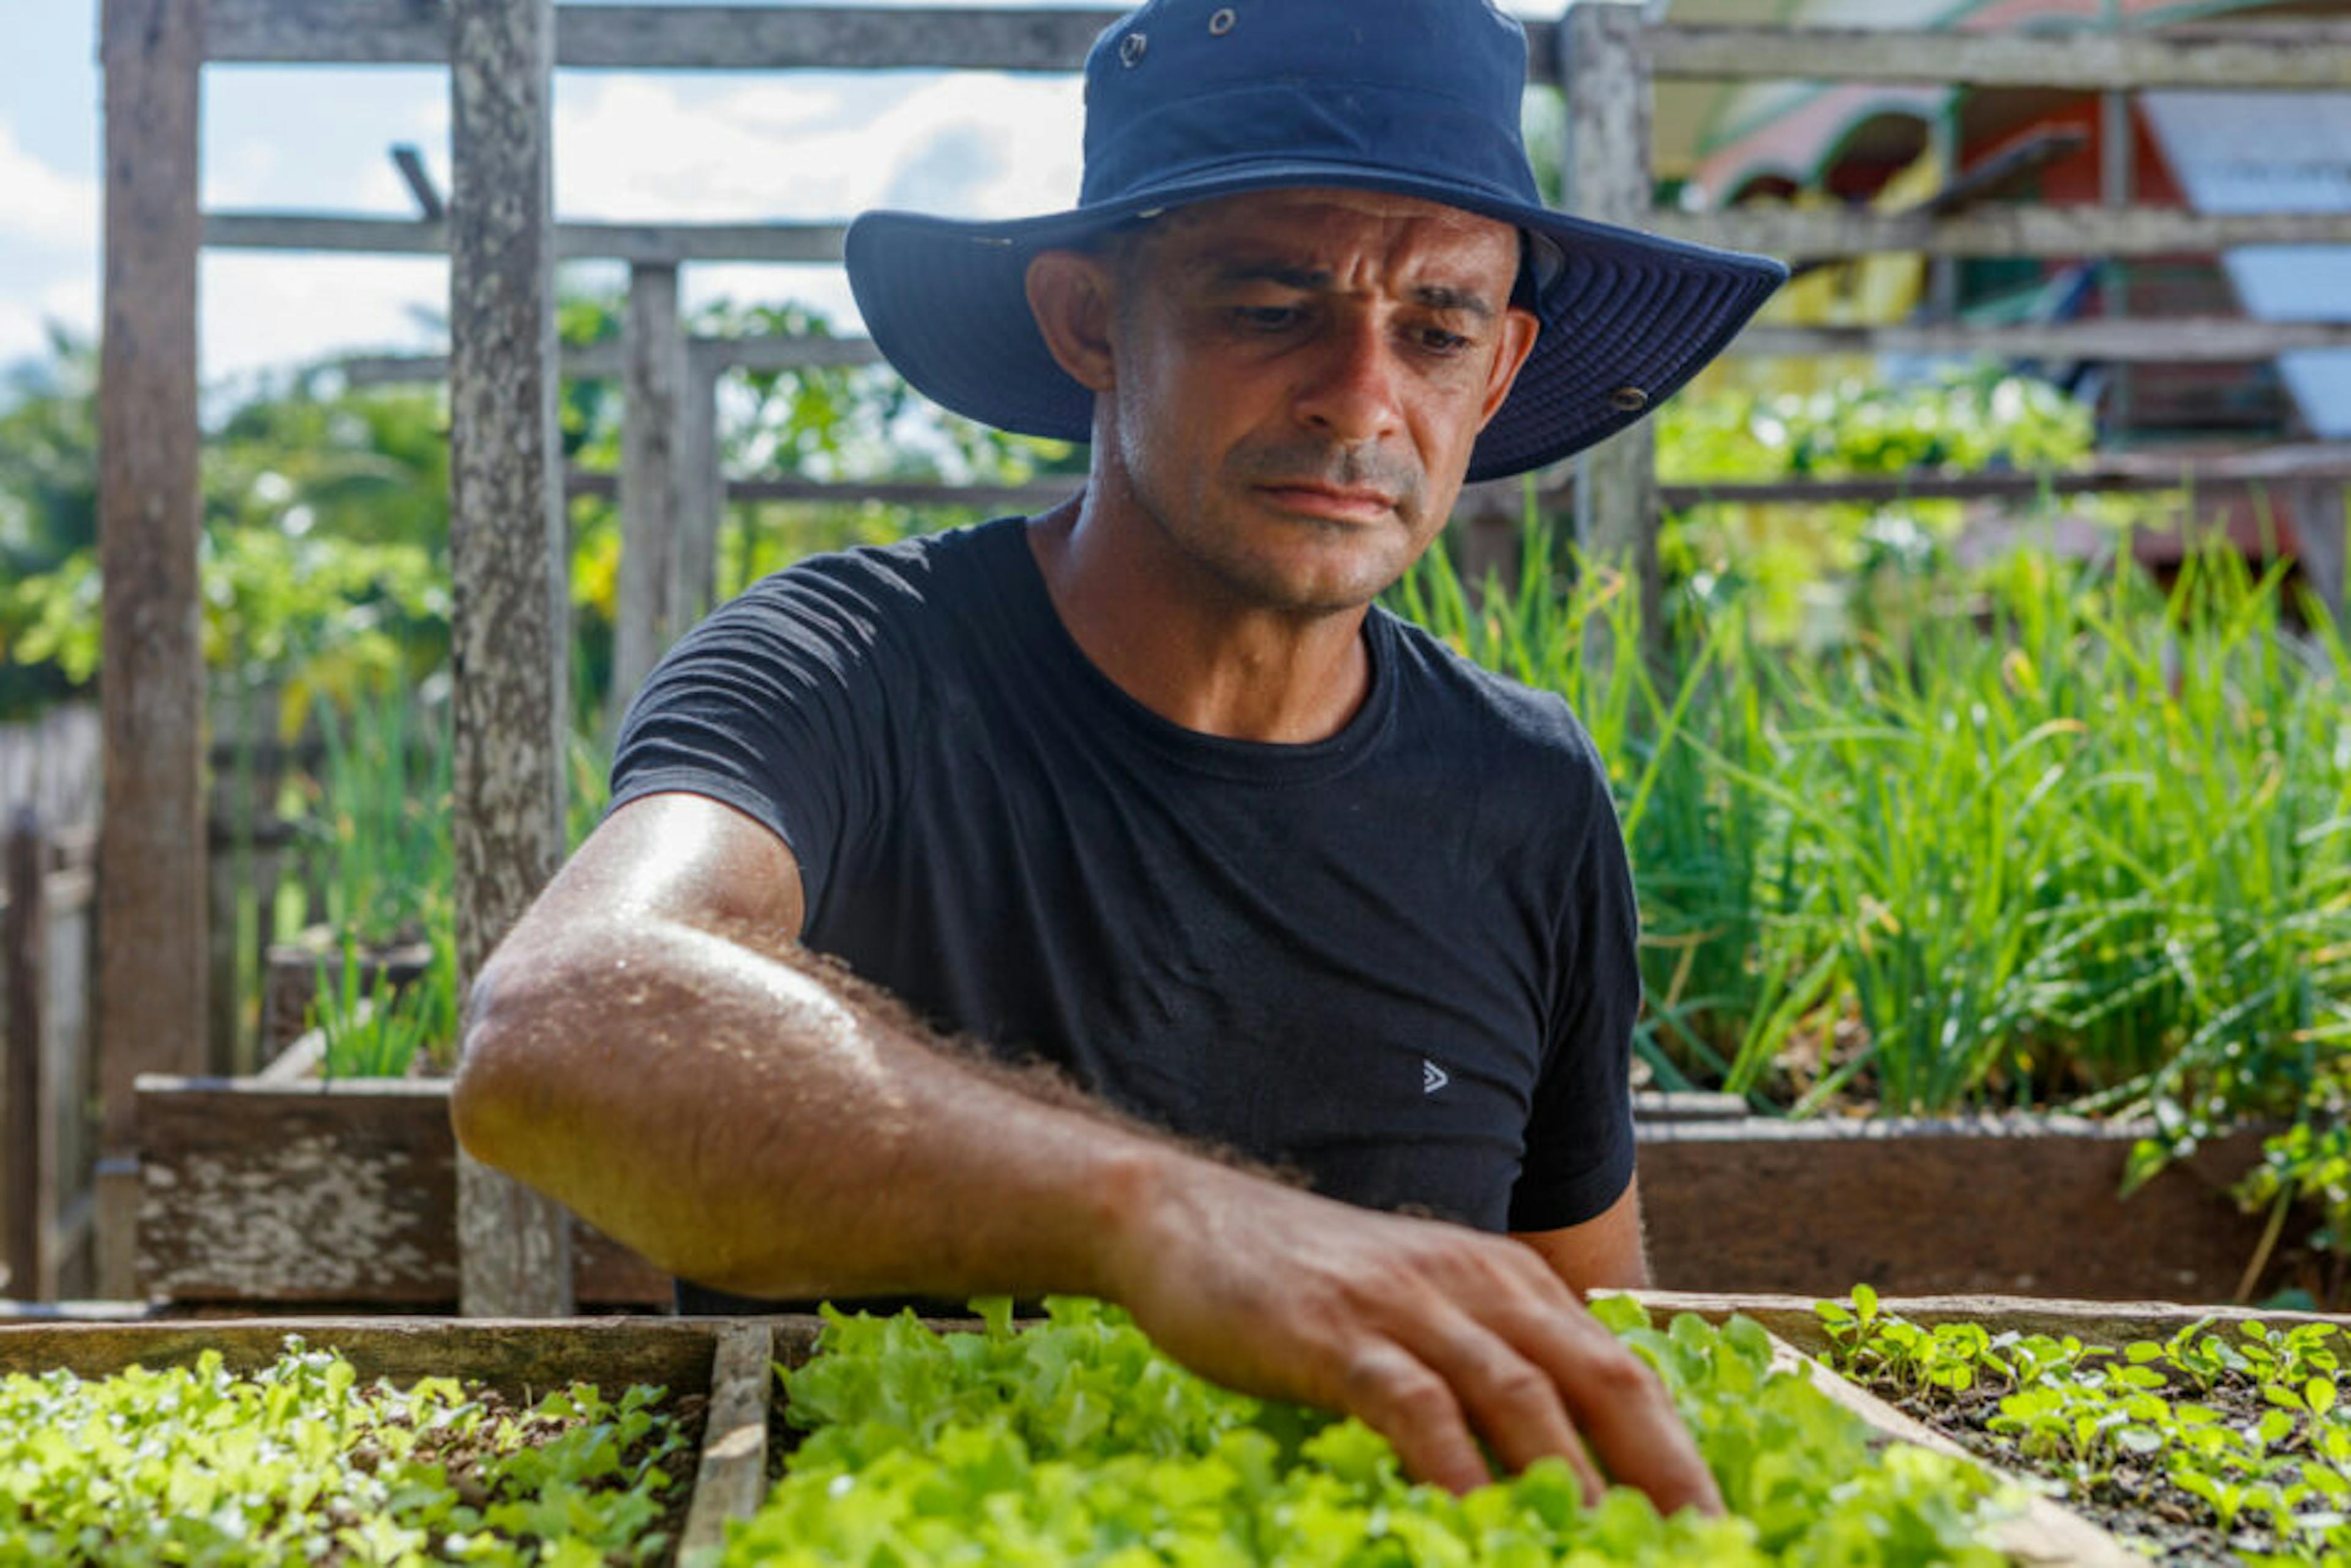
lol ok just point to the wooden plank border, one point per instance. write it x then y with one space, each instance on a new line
2006 230
648 243
731 1481
2018 1207
262 1190
1793 1317
2311 57
1015 39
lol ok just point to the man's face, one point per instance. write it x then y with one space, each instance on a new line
1298 378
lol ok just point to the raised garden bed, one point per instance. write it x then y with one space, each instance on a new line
2013 1206
728 1362
714 1377
286 1188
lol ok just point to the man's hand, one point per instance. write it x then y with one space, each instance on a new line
1434 1334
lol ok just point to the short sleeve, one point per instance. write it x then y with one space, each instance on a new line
786 704
1579 1143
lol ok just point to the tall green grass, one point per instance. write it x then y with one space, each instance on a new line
2088 845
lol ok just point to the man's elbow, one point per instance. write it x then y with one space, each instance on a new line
489 1099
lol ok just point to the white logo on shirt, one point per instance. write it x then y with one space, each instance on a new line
1432 1077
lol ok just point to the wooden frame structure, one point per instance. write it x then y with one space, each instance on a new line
506 557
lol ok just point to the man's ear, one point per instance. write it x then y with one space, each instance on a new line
1517 341
1069 293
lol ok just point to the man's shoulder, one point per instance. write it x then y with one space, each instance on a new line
906 574
1454 701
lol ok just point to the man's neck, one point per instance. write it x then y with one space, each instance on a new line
1183 646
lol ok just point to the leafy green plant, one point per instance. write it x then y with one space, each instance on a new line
300 1461
1077 1442
2089 846
385 1030
383 853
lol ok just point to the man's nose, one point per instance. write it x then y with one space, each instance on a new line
1351 391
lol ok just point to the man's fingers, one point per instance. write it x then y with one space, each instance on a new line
1623 1412
1410 1406
1513 1403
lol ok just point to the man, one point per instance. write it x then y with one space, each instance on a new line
1143 787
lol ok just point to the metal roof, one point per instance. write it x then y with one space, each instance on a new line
2273 152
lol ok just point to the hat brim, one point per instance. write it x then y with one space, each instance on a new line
1629 312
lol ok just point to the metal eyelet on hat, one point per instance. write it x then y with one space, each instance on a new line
1629 400
1222 22
1130 48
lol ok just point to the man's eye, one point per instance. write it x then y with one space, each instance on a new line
1267 318
1438 340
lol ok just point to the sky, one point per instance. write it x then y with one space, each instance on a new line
648 147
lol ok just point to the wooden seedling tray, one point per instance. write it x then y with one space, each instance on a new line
728 1359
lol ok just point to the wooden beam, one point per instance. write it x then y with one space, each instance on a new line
510 624
30 1178
1995 231
2273 468
430 207
152 853
608 361
648 243
1037 495
673 37
1993 177
654 393
2312 56
2199 339
1609 98
701 497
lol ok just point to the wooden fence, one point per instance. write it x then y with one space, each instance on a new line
670 489
506 559
48 941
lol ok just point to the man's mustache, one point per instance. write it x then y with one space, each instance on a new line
1363 467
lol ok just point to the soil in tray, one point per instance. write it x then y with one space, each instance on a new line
2152 1442
196 1464
2135 1501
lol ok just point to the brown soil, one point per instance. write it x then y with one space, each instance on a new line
2134 1501
465 1459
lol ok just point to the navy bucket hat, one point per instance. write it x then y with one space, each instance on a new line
1190 99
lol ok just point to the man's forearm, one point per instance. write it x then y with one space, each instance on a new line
753 1125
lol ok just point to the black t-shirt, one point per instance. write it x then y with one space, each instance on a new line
1400 960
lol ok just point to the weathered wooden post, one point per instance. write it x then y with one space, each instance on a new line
1605 74
508 633
655 397
30 1176
702 495
152 839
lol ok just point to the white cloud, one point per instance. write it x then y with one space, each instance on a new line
640 147
263 311
44 206
632 148
66 298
